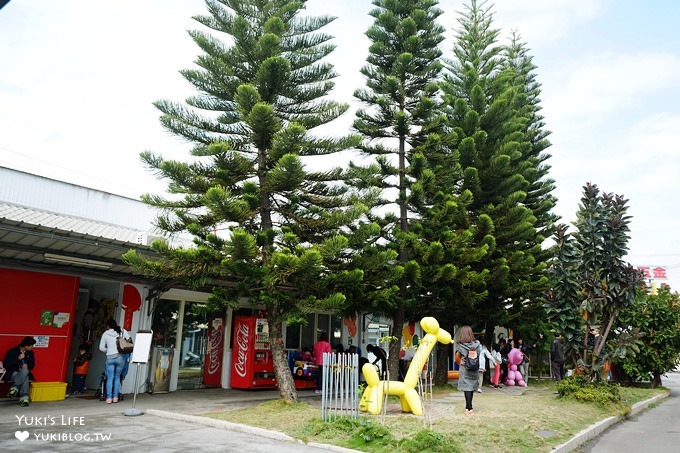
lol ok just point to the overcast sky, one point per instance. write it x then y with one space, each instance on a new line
78 78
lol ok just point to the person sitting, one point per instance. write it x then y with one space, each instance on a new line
306 355
19 361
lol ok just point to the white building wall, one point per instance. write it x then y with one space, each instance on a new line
57 196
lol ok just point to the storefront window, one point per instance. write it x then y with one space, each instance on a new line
293 336
164 324
323 324
336 331
194 347
308 337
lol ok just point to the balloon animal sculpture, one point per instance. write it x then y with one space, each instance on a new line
372 399
514 375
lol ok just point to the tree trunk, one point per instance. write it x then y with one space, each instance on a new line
441 374
656 380
284 377
489 336
395 346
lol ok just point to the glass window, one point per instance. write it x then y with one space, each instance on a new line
308 337
164 324
336 330
375 331
323 324
292 336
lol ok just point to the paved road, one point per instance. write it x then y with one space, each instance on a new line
656 429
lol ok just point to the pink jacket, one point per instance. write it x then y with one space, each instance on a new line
319 348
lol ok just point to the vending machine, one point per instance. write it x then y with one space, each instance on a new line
252 366
212 368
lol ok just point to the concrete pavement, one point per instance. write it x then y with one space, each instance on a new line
169 424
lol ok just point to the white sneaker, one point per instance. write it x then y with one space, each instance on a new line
479 390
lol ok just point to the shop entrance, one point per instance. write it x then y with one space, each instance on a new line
193 348
182 327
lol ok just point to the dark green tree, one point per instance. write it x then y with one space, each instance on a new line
593 278
491 100
400 99
265 229
657 317
518 66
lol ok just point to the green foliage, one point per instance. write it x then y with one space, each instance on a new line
399 118
581 388
363 431
491 102
265 228
592 282
658 318
427 440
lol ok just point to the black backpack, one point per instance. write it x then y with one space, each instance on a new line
472 360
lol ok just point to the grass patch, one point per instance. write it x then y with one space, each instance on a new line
504 421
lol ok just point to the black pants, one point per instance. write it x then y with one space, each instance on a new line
558 371
468 399
319 378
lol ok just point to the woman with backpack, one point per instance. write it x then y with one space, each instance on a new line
469 351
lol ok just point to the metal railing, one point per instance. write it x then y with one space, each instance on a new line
340 386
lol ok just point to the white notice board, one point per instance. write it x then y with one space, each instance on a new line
142 347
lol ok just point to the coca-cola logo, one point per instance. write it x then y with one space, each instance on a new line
241 340
214 348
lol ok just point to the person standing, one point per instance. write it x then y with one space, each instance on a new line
557 357
496 373
320 347
485 358
526 352
18 363
468 380
115 361
81 365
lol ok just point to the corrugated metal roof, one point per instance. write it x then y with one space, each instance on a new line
32 238
37 217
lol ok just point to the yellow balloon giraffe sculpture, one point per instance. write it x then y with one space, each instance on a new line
372 399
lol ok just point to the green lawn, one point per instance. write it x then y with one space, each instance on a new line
529 420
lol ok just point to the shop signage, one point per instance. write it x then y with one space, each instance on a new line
213 359
241 337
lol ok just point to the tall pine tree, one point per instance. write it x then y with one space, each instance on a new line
492 106
399 111
265 227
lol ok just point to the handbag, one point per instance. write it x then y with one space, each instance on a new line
123 344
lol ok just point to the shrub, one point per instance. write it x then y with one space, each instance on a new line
580 388
431 441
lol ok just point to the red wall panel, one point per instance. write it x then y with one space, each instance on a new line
24 298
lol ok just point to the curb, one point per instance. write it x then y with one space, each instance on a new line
598 428
226 425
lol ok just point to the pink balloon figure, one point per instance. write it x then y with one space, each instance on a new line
514 376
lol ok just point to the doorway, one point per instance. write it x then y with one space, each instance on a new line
183 326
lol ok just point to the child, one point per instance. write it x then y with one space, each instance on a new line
306 355
81 365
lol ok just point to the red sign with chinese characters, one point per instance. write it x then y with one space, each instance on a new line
212 371
653 272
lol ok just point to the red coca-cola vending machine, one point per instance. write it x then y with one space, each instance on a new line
252 366
212 370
